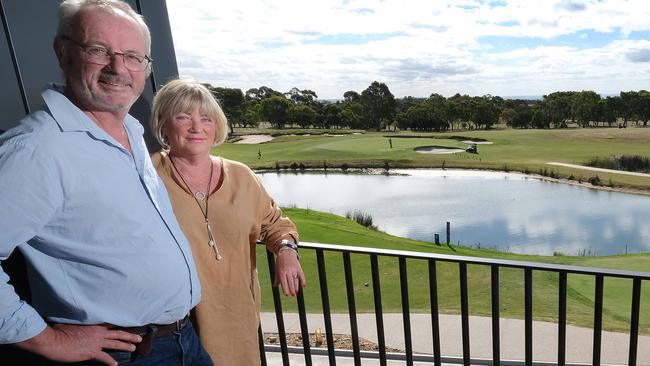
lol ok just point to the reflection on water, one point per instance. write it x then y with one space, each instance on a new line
488 209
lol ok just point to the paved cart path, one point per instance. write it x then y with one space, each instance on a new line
614 346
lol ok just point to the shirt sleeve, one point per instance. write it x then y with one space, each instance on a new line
30 194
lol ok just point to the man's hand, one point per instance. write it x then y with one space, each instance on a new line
74 343
288 272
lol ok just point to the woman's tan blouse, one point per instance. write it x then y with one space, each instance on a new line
240 213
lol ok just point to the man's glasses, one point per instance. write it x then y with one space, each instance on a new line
102 56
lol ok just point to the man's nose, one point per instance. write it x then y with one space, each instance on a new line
117 62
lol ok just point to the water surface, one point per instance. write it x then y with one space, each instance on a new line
508 211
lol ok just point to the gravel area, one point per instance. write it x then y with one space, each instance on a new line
341 341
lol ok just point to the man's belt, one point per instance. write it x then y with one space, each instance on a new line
150 331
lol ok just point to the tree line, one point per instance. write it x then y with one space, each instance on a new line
376 108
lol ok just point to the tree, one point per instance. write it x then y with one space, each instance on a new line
485 111
558 107
352 114
585 106
424 117
378 104
351 96
302 97
262 93
252 114
275 109
522 116
332 114
610 109
302 115
232 103
541 117
642 106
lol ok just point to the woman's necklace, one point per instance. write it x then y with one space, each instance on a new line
196 195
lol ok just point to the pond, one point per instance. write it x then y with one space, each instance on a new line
505 211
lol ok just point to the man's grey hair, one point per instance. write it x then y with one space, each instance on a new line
68 9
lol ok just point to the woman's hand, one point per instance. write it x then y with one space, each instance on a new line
288 272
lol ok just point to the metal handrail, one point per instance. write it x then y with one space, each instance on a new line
495 265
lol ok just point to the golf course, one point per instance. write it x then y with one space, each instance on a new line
526 151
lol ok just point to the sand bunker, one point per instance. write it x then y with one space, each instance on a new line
478 142
437 150
254 139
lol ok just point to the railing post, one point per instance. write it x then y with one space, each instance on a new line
435 321
464 312
561 322
634 321
528 310
379 314
496 334
278 311
304 329
406 311
598 319
349 285
327 316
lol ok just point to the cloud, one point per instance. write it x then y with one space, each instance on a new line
639 55
413 69
363 11
571 5
417 47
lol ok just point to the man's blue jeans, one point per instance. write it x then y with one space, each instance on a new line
177 349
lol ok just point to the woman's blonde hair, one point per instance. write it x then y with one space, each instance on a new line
183 96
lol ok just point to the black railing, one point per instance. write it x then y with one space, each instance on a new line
599 274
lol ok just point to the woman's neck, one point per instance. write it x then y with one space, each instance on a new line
191 162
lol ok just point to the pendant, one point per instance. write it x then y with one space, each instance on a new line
199 195
212 242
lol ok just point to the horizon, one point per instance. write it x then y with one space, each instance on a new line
417 48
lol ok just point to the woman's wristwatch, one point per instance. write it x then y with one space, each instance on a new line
289 244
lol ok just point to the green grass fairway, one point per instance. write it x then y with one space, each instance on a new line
326 228
519 150
526 151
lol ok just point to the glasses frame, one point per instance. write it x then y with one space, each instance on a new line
110 55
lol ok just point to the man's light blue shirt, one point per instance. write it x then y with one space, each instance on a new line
94 223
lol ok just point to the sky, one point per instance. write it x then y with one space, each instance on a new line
416 47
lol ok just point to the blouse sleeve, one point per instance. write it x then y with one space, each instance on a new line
274 225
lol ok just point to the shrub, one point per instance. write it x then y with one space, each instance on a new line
595 181
362 218
630 163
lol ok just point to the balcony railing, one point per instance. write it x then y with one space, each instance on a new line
494 265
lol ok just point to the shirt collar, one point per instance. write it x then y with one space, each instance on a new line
71 119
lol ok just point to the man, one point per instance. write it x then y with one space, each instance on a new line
111 273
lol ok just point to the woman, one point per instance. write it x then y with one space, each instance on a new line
223 210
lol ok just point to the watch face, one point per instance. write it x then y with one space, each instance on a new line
289 243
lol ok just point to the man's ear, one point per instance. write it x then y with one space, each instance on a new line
58 50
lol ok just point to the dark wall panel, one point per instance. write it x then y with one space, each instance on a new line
11 102
32 24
